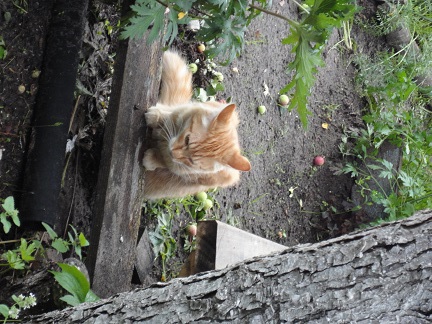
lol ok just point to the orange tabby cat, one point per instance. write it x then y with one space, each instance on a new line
197 147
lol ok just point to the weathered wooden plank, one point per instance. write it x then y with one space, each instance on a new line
377 275
220 245
118 202
144 259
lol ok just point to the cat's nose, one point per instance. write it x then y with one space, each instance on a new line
175 154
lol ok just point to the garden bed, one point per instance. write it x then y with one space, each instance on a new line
284 198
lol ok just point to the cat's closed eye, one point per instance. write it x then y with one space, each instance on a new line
187 139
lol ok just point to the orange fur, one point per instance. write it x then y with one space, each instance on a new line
197 146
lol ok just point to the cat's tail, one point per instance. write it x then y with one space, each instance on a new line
176 86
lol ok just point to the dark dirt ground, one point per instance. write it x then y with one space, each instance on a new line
280 150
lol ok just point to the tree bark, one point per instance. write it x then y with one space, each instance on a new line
381 274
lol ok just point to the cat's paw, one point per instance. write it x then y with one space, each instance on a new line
150 160
153 117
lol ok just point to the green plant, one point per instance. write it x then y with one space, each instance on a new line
21 5
25 253
411 185
3 51
165 211
164 244
9 211
74 282
18 258
395 114
76 241
70 278
20 302
416 15
308 38
225 23
212 85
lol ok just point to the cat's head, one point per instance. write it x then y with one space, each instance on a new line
207 140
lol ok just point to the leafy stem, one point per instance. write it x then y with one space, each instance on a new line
225 25
163 3
272 13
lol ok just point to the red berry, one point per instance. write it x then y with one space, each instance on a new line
319 160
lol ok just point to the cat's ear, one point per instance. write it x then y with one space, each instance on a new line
239 162
225 115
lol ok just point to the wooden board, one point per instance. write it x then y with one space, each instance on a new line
220 245
119 197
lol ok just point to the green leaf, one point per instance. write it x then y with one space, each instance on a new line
4 310
9 206
350 168
385 174
16 219
78 251
145 16
52 234
227 32
307 59
158 24
74 231
27 250
60 245
374 167
185 5
407 181
91 296
6 224
73 281
70 300
308 39
172 26
16 299
82 240
14 260
71 238
387 164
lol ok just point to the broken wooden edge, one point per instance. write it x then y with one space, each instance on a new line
219 245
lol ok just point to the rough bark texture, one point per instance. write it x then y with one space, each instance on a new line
377 275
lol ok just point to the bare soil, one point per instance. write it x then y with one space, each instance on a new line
284 198
285 191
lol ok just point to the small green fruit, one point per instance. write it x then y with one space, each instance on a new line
201 48
283 100
35 74
262 110
191 229
218 76
207 204
193 67
201 196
